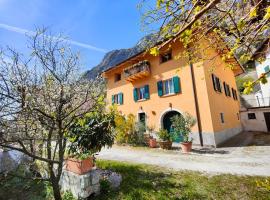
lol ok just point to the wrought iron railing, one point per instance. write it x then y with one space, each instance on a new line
256 102
142 66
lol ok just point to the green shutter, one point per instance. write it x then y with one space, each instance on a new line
214 82
135 94
120 96
225 88
160 88
176 84
146 90
112 99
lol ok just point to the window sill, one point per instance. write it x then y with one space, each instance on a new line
168 95
141 100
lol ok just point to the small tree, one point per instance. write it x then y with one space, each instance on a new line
182 125
41 96
89 133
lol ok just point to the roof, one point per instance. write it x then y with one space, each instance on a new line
163 43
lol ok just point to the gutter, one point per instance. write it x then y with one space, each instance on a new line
196 103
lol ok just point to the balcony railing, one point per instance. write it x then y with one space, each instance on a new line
256 102
137 71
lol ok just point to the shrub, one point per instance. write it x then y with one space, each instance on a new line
90 133
164 135
128 131
182 125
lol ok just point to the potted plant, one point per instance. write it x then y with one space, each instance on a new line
182 125
80 164
152 142
165 139
87 135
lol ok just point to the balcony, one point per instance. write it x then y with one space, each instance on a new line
137 71
255 102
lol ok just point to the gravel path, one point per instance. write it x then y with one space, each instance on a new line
250 160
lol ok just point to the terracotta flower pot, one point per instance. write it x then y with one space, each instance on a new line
146 138
186 147
152 143
165 144
79 166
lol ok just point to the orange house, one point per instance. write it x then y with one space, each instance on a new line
155 88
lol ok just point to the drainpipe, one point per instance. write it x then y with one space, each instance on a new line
196 103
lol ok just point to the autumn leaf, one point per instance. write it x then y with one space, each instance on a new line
253 13
267 15
154 51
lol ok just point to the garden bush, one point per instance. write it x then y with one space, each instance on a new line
128 131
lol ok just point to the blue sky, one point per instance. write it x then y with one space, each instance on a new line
104 24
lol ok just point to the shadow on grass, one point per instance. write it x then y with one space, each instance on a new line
141 183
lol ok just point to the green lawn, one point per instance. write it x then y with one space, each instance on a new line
150 182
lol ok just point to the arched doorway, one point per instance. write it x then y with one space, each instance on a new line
167 124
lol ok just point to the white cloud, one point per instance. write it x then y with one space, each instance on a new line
29 32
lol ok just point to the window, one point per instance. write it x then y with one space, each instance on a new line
227 89
117 77
251 116
165 57
141 93
234 93
117 99
168 87
222 118
216 83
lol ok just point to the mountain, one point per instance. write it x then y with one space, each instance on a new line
114 57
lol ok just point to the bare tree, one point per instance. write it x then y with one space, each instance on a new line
40 97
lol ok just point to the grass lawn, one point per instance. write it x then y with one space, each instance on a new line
151 182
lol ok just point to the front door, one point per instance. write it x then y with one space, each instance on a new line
167 124
267 120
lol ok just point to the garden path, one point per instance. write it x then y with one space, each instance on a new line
242 160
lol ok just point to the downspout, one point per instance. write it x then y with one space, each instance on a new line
196 103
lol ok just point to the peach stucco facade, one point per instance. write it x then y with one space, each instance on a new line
210 102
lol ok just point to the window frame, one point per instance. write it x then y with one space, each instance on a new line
222 118
170 87
216 83
140 93
117 77
254 117
163 55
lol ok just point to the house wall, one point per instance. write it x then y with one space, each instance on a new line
219 102
260 69
257 124
210 102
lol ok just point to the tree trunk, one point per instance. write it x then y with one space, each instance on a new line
56 190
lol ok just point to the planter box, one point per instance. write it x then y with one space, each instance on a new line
152 143
186 147
165 144
79 166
